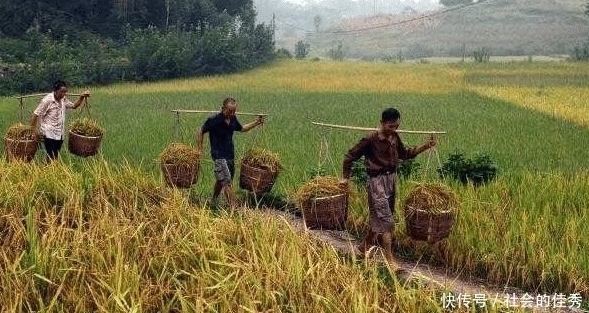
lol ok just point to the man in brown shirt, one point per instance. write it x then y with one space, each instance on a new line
382 150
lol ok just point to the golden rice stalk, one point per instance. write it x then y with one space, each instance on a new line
320 186
20 131
262 159
432 198
86 127
179 153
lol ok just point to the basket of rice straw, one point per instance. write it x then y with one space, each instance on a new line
20 143
259 170
180 164
430 211
84 137
323 202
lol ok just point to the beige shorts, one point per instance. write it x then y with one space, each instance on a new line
381 202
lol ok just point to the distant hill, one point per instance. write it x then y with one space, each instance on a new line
504 27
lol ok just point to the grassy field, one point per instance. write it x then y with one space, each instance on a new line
506 230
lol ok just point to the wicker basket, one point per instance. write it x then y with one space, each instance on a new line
23 150
326 212
256 180
83 146
180 175
427 226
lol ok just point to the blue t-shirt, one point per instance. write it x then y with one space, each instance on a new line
221 135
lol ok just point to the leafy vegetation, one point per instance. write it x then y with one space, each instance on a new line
479 170
119 41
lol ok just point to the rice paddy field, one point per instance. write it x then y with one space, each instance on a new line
105 234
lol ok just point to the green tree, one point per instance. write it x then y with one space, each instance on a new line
301 49
317 22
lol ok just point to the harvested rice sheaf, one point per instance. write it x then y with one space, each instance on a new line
20 131
432 198
262 159
179 153
86 127
320 186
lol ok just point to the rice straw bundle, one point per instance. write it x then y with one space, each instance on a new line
86 127
431 198
20 131
320 186
262 159
179 153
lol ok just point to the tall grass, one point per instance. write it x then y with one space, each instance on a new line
114 246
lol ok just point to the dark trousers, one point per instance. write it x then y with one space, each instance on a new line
52 147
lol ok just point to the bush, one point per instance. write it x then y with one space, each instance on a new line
336 54
482 55
479 170
283 53
581 53
301 50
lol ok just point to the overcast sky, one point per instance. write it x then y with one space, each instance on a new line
408 1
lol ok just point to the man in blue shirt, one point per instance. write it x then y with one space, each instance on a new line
220 128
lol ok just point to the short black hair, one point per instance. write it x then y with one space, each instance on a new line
229 100
390 114
58 84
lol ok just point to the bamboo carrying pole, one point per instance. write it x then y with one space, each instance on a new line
201 111
20 98
371 129
44 94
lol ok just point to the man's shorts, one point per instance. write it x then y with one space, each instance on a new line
381 201
224 171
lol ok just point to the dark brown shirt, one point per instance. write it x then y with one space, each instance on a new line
381 154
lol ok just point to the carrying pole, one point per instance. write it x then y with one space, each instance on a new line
203 111
431 132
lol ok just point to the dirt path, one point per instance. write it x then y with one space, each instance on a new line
461 289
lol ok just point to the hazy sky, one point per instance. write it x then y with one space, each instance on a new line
305 1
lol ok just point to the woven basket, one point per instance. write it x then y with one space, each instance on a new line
326 212
180 175
23 150
427 226
256 180
83 146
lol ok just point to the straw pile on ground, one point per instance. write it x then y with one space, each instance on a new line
430 210
262 159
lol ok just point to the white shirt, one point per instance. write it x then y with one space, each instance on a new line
52 115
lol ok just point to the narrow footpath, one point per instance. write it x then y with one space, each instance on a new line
462 291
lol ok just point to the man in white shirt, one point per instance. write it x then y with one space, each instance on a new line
51 113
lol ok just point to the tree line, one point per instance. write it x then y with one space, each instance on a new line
88 42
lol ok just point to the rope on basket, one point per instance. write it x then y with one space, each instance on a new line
431 153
